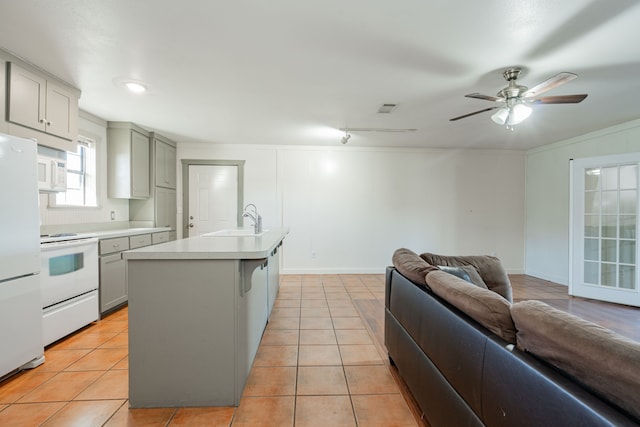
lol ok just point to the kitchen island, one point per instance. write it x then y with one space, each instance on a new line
197 311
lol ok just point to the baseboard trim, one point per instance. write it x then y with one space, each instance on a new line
285 271
555 279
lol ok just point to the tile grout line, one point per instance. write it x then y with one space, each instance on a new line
344 371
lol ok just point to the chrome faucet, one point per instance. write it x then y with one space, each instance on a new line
255 217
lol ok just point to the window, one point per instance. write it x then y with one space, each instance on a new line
81 176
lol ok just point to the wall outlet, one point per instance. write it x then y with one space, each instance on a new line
113 215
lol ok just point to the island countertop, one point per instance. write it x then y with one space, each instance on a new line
213 247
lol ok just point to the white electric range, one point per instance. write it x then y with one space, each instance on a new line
69 282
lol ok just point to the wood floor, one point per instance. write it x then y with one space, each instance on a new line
321 361
622 319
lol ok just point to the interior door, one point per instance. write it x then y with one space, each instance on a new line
604 220
213 198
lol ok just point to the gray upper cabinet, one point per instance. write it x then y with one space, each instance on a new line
159 209
165 163
40 103
128 161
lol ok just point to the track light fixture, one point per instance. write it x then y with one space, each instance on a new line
346 137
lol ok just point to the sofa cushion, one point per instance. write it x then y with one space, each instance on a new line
465 272
411 266
488 308
489 267
602 360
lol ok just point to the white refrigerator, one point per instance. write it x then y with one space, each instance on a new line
20 295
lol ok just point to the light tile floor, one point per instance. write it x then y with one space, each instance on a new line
317 365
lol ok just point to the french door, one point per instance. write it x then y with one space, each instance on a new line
604 219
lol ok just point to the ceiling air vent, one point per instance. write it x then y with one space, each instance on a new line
387 108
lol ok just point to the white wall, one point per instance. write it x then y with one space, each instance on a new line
547 200
54 219
349 208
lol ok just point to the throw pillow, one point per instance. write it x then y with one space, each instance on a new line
489 267
411 266
465 272
486 307
602 360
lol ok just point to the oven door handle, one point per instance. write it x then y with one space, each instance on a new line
68 244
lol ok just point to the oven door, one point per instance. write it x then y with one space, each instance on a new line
69 269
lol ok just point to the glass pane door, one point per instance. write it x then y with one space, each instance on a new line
604 222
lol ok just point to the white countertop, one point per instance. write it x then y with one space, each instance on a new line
213 247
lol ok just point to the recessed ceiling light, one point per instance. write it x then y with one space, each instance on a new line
136 87
132 85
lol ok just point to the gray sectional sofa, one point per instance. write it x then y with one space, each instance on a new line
470 366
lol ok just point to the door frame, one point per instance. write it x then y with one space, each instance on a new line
185 186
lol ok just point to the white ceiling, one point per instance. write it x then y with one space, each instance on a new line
294 71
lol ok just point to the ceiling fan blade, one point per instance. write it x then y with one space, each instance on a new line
562 99
472 114
485 97
553 82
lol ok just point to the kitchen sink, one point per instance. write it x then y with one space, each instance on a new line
234 232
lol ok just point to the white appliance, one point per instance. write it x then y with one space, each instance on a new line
69 278
20 295
52 172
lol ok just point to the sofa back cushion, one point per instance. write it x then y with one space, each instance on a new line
484 306
489 267
465 272
411 266
605 362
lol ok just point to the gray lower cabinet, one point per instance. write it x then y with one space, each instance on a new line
114 289
194 329
113 278
113 282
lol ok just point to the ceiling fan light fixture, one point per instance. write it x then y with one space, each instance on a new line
500 116
519 113
515 98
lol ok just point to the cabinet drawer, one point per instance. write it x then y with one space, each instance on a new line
161 237
139 241
118 244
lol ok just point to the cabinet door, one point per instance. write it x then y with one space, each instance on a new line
165 208
61 112
273 278
252 316
139 165
26 98
165 165
113 282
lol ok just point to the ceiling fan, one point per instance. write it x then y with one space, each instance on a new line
513 101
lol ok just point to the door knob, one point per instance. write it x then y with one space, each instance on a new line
191 225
